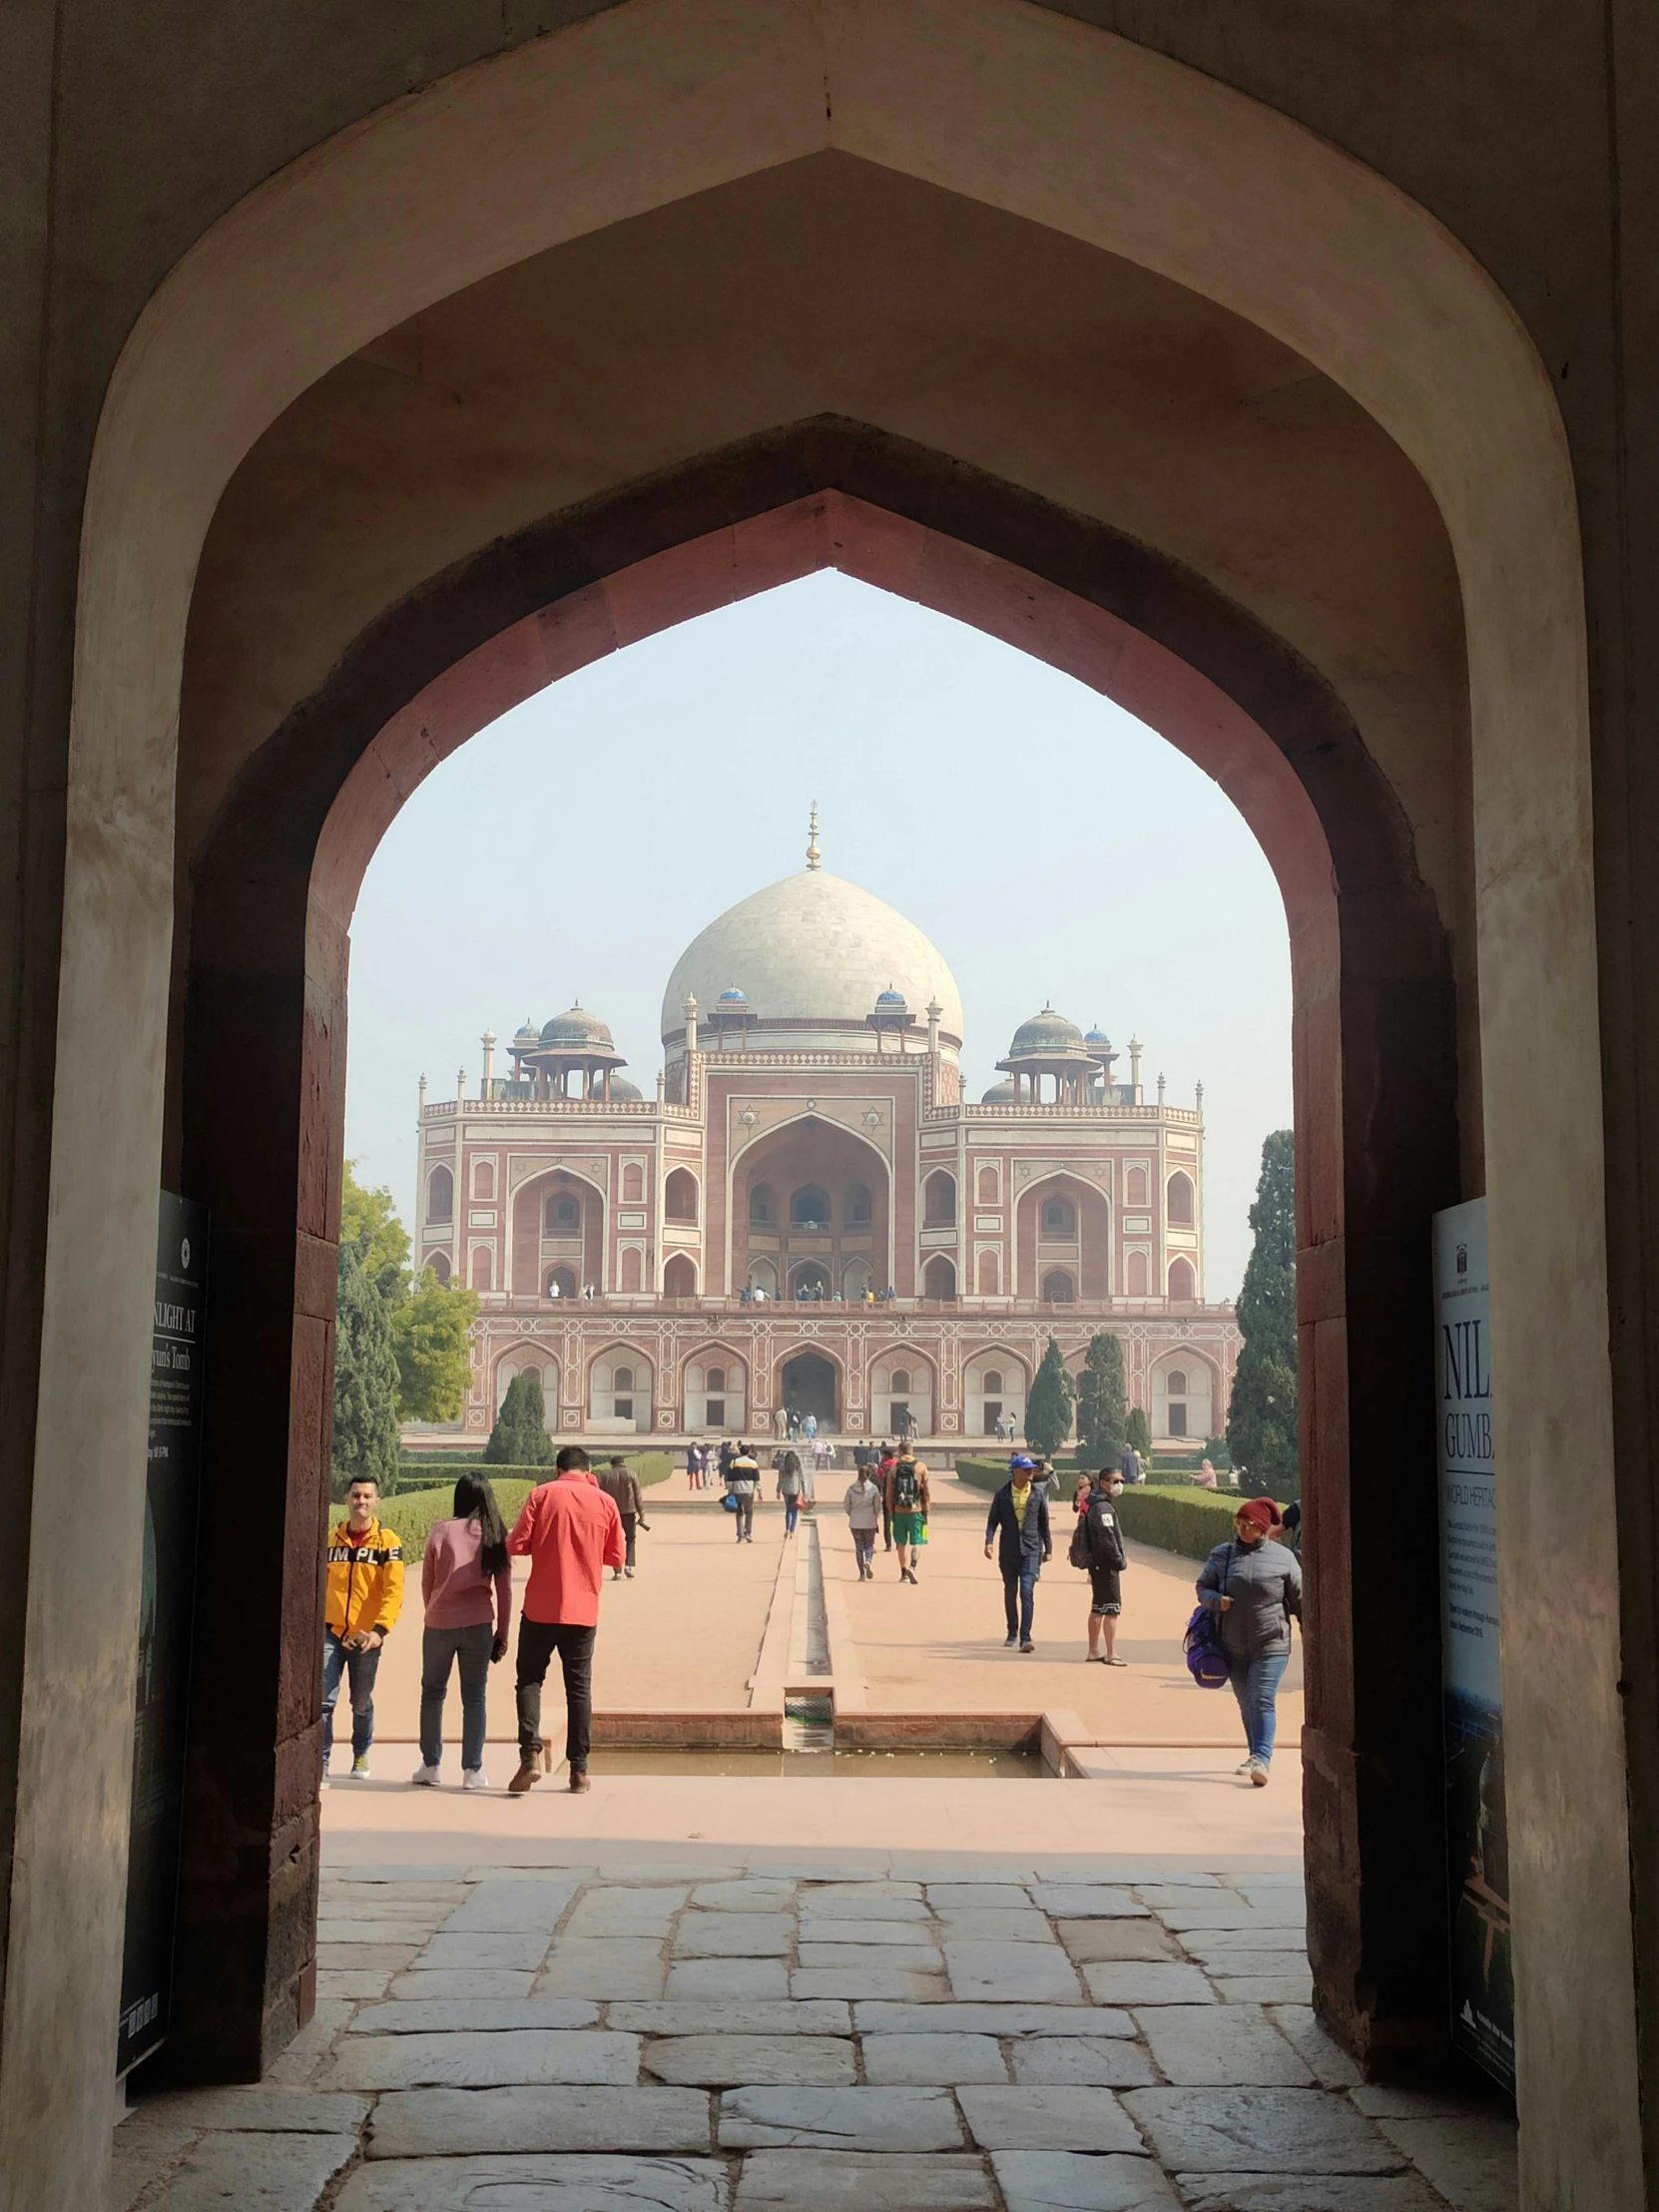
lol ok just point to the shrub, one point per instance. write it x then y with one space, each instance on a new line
420 1472
1188 1520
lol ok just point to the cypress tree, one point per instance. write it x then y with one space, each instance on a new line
1261 1419
1102 1406
1048 1409
1137 1431
519 1438
365 1381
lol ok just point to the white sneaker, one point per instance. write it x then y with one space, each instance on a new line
426 1776
359 1770
473 1779
1259 1773
1246 1766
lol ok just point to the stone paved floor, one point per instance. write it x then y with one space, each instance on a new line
702 2038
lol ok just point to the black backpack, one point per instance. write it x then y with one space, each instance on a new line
907 1489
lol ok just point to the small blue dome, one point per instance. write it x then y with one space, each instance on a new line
894 1001
1099 1037
732 997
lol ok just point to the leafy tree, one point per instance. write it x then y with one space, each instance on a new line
1137 1431
519 1438
1048 1409
368 1220
1102 1409
1262 1419
431 1338
365 1381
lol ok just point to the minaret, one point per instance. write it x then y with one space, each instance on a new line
487 1040
812 838
1135 1068
689 1011
1198 1100
1160 1093
460 1085
934 1013
420 1099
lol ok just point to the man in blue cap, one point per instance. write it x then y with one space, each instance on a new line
1018 1523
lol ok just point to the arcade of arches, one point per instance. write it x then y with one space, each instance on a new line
1273 386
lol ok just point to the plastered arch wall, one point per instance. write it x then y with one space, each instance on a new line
1108 142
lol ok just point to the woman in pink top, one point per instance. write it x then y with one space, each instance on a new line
467 1587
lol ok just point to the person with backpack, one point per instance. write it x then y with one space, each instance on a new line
1253 1584
1097 1546
1018 1521
905 1502
743 1483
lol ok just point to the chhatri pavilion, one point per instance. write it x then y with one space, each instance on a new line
806 1214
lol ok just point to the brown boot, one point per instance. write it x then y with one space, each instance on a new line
579 1780
532 1765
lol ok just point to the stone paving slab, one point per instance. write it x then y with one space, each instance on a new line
898 1985
610 1966
1014 1973
338 1893
878 2019
726 1980
1080 1900
855 1894
994 1923
1221 2046
522 1950
537 2184
1222 1943
1283 2131
734 1935
1129 1983
1470 2159
512 1908
819 1929
923 2061
1292 1913
1064 2181
1089 1942
1330 2064
257 2173
734 2016
1082 2061
450 2123
1300 2193
1049 2118
901 1950
352 1981
820 1906
753 1893
959 1896
861 2120
253 2109
385 1957
466 2060
389 1905
854 2181
330 2017
477 2015
619 1911
1264 1989
730 2061
456 1984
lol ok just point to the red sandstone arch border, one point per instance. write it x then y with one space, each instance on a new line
1110 143
768 1135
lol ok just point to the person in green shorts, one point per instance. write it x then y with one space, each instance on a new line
907 1502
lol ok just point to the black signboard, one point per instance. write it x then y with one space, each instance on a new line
164 1628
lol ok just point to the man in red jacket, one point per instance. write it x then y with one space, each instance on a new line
572 1532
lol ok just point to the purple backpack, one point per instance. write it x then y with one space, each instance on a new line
1205 1660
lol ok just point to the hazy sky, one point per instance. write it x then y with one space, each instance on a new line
1051 846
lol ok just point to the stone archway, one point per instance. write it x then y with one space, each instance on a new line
808 1383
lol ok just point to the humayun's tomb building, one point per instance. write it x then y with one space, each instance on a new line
700 1259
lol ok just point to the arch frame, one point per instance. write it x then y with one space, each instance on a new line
786 1201
1138 153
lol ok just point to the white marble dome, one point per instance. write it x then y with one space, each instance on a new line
812 949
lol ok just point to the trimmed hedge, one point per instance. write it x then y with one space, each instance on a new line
414 1513
648 1466
1182 1519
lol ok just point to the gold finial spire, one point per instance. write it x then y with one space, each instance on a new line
812 838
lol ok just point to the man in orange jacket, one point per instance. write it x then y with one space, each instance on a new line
364 1597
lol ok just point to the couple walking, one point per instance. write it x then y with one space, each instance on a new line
895 1497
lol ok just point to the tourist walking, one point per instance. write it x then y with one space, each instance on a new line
790 1484
622 1486
809 1428
1129 1467
862 1505
885 1460
907 1502
1254 1584
742 1480
466 1587
1018 1526
1098 1547
571 1532
361 1601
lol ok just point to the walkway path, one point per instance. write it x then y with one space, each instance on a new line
738 2031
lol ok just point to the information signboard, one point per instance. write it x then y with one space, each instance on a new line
1483 1982
164 1627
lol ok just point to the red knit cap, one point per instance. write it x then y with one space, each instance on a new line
1260 1512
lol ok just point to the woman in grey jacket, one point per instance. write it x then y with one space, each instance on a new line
1255 1586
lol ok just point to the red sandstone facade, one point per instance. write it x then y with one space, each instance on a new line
702 1261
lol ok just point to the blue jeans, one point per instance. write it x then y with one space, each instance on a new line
791 1512
359 1668
439 1648
1019 1597
1256 1685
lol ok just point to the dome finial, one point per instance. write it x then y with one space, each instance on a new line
812 838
